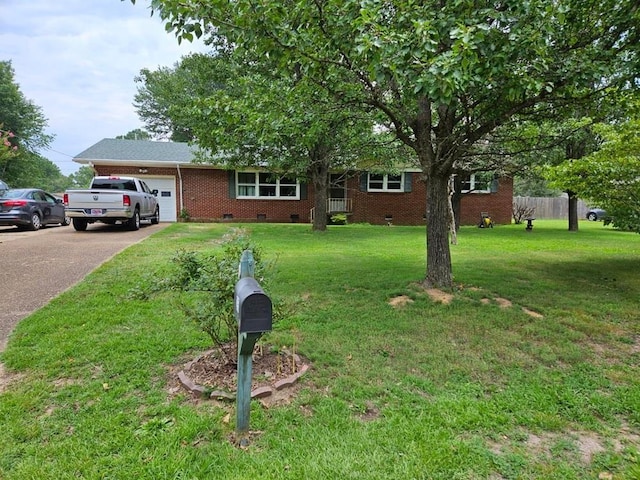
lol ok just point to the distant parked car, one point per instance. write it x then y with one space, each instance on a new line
31 208
3 187
594 214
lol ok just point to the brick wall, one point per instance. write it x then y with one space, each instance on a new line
498 204
206 198
409 208
404 208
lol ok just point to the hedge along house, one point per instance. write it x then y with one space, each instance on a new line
204 192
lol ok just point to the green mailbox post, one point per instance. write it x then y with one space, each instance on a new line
253 310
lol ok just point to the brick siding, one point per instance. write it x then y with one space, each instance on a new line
206 198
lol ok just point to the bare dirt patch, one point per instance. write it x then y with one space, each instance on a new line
531 313
438 295
446 298
503 302
506 303
587 444
400 301
539 444
6 378
370 412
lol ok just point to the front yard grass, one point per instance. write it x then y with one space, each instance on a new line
529 371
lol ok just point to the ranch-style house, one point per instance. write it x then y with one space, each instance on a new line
211 193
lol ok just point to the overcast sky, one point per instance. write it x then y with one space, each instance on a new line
77 59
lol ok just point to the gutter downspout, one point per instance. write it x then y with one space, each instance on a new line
180 189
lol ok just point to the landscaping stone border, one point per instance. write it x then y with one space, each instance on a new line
260 392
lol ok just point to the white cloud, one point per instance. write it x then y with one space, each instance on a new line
77 60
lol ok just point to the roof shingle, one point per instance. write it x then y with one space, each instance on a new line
137 151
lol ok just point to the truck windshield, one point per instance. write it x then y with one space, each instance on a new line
114 184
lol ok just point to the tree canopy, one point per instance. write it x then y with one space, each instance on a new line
610 177
82 178
241 114
137 134
165 96
445 74
20 115
22 129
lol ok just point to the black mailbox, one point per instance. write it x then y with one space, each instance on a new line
252 307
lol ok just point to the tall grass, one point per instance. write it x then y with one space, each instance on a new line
547 387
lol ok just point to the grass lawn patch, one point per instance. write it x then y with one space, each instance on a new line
527 369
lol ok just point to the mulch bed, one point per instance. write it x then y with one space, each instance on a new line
214 372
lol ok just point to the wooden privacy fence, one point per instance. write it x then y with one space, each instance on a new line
551 207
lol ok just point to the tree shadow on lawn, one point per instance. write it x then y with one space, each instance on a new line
592 279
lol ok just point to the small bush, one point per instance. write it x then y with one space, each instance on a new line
339 219
205 284
521 211
184 215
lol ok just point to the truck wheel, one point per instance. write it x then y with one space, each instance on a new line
156 217
79 224
134 222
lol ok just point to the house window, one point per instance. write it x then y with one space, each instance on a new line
385 182
266 185
246 184
476 182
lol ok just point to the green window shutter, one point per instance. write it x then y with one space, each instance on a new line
232 184
408 181
364 181
304 191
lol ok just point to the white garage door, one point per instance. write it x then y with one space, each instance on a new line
166 187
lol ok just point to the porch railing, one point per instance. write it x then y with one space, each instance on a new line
334 205
341 205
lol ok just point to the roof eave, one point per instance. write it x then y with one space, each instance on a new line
145 163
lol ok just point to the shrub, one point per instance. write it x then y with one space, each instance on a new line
184 215
205 283
521 210
339 219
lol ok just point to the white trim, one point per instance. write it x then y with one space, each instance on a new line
180 189
385 183
472 186
257 185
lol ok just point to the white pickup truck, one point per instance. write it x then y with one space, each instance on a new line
112 199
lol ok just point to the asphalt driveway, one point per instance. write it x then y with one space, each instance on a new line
36 266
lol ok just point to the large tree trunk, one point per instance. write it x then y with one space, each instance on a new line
439 272
320 180
573 212
574 150
436 160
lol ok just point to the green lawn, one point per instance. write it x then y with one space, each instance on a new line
545 386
